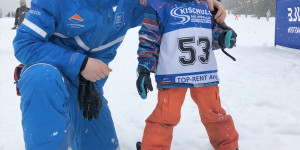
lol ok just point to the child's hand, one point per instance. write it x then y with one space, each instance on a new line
143 83
227 38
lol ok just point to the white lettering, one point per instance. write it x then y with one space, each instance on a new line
298 14
192 10
182 11
293 17
197 78
294 30
295 14
290 14
35 12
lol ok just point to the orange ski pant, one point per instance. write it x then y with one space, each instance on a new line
159 125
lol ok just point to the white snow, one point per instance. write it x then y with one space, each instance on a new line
261 91
55 133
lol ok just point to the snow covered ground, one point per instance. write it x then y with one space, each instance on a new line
261 90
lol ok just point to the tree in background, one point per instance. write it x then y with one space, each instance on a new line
257 7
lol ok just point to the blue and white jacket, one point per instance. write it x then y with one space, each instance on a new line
63 32
176 42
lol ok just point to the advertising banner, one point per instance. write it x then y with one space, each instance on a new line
287 31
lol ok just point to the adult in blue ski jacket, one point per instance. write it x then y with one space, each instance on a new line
66 47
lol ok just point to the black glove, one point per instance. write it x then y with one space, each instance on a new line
14 28
143 82
227 38
88 99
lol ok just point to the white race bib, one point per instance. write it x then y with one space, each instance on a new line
186 57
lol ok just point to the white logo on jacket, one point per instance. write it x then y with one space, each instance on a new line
34 12
119 20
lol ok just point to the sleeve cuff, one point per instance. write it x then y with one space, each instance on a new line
76 61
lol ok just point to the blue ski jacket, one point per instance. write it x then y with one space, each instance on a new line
63 33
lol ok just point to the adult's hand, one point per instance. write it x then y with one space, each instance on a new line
221 14
95 69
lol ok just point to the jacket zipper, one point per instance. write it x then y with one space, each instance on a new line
105 30
98 33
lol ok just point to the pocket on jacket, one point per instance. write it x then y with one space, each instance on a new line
162 107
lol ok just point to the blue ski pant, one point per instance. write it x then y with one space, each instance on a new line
51 119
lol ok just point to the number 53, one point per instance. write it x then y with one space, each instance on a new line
203 42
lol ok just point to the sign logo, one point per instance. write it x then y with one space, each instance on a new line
184 18
119 20
294 16
75 18
190 14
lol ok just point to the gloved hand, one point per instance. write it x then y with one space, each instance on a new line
14 28
88 99
227 38
143 82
